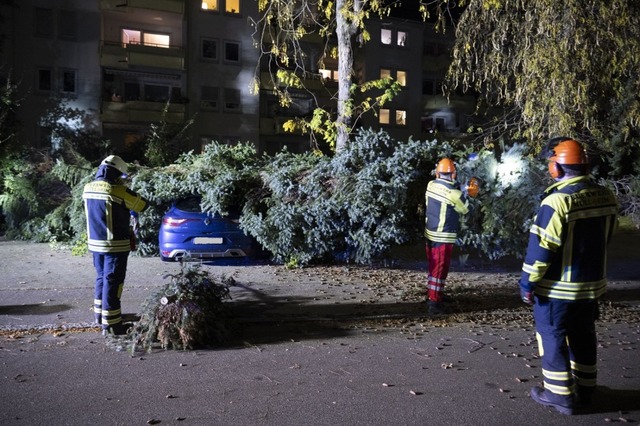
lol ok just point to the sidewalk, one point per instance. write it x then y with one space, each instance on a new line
320 346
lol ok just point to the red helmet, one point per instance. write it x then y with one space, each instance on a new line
446 166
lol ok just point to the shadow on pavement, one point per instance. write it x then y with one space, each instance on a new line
33 309
607 400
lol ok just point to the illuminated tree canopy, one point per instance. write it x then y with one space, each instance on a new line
296 36
554 67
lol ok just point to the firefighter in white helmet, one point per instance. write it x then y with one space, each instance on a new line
108 205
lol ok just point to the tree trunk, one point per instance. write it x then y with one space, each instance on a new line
344 30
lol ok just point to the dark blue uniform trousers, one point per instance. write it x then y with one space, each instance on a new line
567 343
111 269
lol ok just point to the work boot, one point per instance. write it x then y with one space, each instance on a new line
115 330
438 308
562 403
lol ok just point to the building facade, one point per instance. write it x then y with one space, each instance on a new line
130 63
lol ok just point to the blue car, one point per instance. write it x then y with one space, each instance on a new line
186 233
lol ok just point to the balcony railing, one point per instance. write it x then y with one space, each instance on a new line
174 6
141 112
118 55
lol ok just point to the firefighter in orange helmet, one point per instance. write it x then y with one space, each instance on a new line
444 204
564 275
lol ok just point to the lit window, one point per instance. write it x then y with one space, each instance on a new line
401 76
231 51
209 49
383 116
69 81
401 117
385 36
325 74
130 36
157 40
385 73
44 79
209 97
232 100
402 38
210 5
232 6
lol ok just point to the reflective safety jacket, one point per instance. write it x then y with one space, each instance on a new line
107 207
567 252
444 203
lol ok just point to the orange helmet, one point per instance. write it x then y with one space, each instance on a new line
446 166
564 151
473 187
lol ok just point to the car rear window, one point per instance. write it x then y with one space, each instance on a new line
191 204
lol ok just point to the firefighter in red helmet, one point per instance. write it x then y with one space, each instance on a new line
563 275
444 204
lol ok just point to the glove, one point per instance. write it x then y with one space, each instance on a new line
526 291
527 297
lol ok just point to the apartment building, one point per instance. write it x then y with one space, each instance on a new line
130 63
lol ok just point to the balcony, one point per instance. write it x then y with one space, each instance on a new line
136 112
123 56
172 6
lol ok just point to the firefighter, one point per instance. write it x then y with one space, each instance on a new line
108 204
563 275
444 204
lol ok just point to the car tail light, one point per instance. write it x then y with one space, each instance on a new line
172 221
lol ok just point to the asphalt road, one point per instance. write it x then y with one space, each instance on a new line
309 354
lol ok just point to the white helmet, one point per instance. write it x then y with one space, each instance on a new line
117 162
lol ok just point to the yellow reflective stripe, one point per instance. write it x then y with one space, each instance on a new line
559 390
547 240
591 369
441 237
111 312
556 375
540 346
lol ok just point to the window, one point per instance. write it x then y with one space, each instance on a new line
231 51
157 40
209 97
385 36
209 49
156 93
428 86
383 116
401 117
130 36
401 77
45 82
402 38
231 99
232 6
68 27
328 75
210 5
131 91
68 81
43 25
